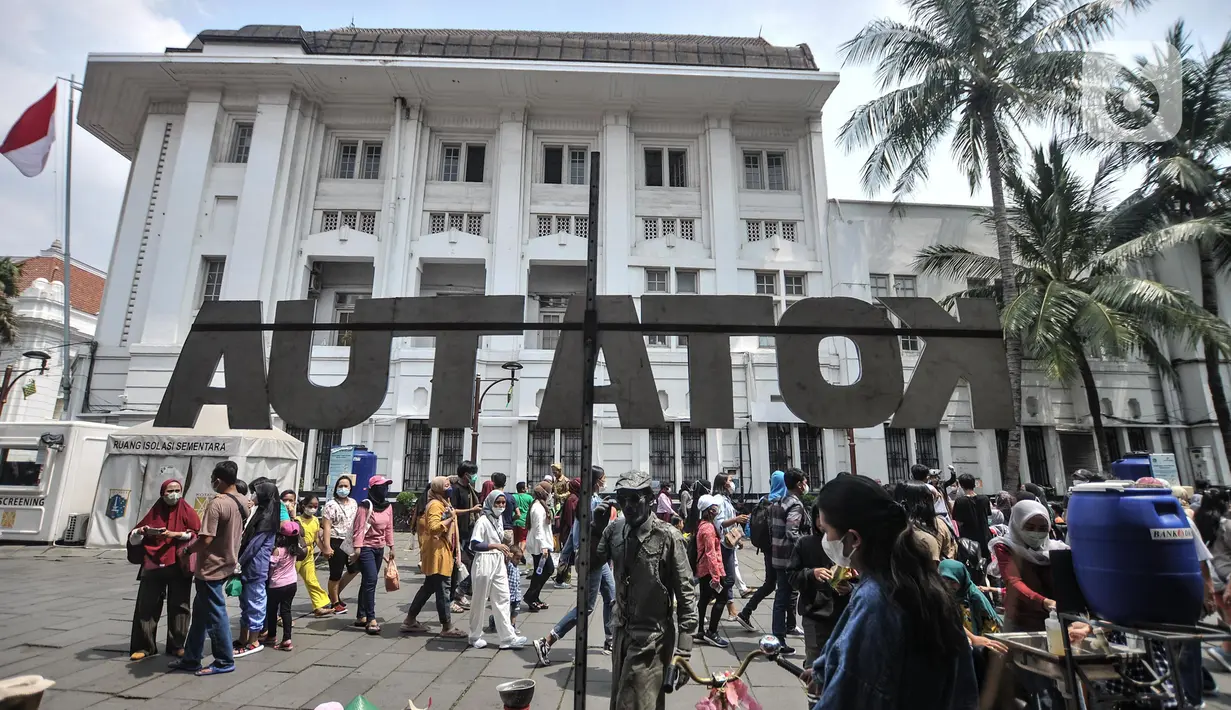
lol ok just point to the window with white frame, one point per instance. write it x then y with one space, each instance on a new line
551 310
666 167
659 280
794 288
655 227
565 164
765 170
757 229
212 270
576 225
343 312
903 287
462 162
241 142
356 159
466 222
359 220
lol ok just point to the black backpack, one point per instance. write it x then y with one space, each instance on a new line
759 526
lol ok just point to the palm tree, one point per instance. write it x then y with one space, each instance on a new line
1071 302
974 71
1186 194
9 273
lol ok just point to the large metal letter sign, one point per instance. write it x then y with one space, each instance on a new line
969 348
243 360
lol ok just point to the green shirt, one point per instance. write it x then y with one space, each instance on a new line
524 500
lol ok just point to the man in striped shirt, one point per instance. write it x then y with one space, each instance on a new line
788 523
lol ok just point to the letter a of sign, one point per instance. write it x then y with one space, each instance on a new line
243 356
632 388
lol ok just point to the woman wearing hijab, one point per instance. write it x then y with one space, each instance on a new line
777 491
490 573
437 549
979 617
255 547
168 526
538 546
1002 506
1023 559
373 533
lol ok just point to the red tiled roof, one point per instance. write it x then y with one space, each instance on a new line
87 287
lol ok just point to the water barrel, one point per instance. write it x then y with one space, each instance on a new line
1130 468
362 468
1134 554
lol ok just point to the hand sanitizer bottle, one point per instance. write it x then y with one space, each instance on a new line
1055 635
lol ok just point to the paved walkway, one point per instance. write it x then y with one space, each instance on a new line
65 613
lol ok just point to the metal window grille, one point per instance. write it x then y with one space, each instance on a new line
241 143
474 224
457 221
541 452
302 435
781 455
692 454
812 454
570 450
211 288
649 228
329 221
418 459
670 226
767 284
545 227
788 231
371 161
581 227
662 454
451 163
688 229
752 171
1036 455
927 448
448 451
1112 436
326 439
564 224
577 166
793 285
771 229
367 222
1138 440
775 169
350 219
897 454
436 222
348 154
753 228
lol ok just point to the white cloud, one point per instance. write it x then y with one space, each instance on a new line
45 40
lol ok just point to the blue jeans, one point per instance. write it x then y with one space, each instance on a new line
785 597
369 566
601 580
1190 671
252 601
209 616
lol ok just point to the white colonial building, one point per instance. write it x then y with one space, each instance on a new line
270 164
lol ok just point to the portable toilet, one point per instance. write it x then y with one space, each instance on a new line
363 467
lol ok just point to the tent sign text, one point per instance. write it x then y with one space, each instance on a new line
146 445
975 354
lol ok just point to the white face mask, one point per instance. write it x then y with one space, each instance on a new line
342 492
310 511
172 498
1034 539
835 550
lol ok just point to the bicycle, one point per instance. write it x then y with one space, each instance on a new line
720 684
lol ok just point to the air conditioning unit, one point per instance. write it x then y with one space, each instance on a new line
314 282
74 532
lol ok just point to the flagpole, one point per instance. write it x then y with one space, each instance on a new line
66 379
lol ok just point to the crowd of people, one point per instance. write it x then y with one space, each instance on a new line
892 590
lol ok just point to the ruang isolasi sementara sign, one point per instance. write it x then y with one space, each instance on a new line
967 347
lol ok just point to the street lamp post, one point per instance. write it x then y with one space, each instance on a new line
10 379
512 368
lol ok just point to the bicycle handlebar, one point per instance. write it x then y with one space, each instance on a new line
671 678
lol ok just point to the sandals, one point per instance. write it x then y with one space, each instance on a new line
457 608
285 646
249 650
215 670
452 633
412 628
373 628
138 656
360 623
323 611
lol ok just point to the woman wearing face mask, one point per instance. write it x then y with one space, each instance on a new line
538 546
373 533
728 519
489 575
437 549
1023 559
338 523
255 547
712 578
313 538
169 525
899 645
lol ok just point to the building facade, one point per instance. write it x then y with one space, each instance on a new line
272 164
38 310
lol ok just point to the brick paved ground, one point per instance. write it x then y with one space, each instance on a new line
65 613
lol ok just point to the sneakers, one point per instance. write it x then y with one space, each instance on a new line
744 622
714 640
607 646
517 642
543 648
796 632
478 643
786 651
562 585
339 608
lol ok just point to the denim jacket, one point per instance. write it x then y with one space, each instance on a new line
869 663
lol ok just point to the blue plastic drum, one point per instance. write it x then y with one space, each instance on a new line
1134 554
363 467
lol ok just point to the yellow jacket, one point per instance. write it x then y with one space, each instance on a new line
436 541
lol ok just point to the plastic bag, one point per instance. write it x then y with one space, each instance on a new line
233 587
392 581
360 703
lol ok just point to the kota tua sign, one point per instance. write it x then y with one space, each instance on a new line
969 347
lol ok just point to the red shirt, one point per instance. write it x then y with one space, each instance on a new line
1027 585
709 552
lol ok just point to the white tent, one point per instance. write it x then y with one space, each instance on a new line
141 457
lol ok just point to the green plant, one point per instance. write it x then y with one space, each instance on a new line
407 499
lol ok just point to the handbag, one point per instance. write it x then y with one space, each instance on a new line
732 536
392 581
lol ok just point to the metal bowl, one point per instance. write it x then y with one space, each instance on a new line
516 693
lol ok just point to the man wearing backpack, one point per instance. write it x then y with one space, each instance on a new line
789 523
759 532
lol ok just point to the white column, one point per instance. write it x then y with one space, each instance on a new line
246 261
723 198
818 192
294 217
615 236
398 247
173 272
504 270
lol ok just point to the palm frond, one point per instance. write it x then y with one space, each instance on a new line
1188 232
955 263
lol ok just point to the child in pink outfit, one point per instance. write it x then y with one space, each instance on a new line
283 583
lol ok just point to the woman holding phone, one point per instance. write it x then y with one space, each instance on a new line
168 526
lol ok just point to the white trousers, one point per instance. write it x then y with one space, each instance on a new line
489 579
739 579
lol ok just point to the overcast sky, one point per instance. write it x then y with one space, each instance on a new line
45 39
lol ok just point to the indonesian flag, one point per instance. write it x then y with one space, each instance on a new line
28 144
